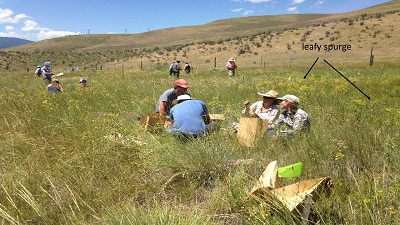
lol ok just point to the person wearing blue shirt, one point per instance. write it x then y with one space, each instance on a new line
54 87
190 117
46 73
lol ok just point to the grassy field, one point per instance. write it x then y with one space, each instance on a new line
81 157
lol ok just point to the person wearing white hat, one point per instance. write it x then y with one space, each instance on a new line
46 73
265 109
83 82
292 119
190 117
231 66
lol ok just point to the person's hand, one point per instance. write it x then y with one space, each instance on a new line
275 137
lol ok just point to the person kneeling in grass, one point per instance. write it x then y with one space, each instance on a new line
54 86
190 118
292 119
83 82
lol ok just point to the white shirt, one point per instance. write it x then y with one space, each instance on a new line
270 114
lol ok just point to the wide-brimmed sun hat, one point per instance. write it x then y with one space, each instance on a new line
231 59
291 98
269 94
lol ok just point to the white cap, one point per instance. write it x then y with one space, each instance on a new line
291 98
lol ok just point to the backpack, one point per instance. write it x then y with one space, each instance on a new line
38 71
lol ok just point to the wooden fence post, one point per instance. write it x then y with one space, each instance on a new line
215 63
371 57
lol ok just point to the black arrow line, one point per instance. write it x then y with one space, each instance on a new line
311 68
347 80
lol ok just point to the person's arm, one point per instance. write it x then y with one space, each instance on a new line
273 116
47 87
161 108
251 111
300 121
47 73
207 119
280 120
206 116
60 88
246 110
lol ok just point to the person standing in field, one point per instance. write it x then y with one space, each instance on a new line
164 103
231 66
176 68
292 119
190 117
38 71
54 87
187 68
170 68
46 73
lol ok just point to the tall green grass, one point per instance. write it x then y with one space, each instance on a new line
81 157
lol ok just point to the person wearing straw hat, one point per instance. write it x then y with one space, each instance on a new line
190 117
266 109
292 119
164 103
38 71
231 66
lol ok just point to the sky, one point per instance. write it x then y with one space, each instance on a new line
37 20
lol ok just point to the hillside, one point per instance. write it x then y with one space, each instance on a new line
7 42
254 41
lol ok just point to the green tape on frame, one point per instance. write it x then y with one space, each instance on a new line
293 170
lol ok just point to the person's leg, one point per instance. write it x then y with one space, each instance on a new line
46 81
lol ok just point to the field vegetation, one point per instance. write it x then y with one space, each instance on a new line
81 157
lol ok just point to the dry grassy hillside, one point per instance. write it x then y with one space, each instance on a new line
355 37
253 41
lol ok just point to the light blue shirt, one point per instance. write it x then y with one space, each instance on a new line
188 117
